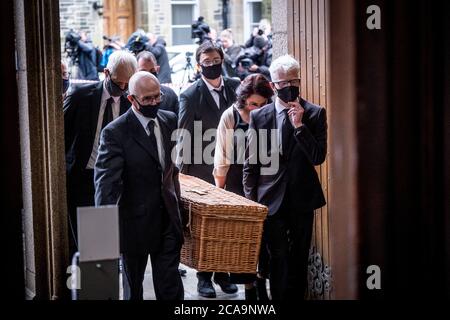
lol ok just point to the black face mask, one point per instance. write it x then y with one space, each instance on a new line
113 88
212 72
288 94
148 110
65 85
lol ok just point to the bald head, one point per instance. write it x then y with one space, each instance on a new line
144 89
141 82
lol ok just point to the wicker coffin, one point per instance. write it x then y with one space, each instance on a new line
224 230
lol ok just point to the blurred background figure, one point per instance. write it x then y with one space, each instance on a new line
200 31
157 46
256 59
84 56
231 52
65 75
112 44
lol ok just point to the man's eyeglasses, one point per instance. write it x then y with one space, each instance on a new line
209 63
284 84
151 99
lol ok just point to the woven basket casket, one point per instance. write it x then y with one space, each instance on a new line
224 230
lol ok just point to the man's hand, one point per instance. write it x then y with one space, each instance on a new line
253 68
296 114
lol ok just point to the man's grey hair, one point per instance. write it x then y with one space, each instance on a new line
137 77
147 56
285 64
124 59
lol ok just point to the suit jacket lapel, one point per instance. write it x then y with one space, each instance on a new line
269 123
96 100
166 140
140 136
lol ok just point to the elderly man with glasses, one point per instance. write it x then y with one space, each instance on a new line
134 170
292 192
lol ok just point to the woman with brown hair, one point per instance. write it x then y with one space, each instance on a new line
253 93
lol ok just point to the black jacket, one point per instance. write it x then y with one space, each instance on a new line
159 50
128 173
170 100
197 104
296 176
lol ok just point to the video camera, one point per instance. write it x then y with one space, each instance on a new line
199 30
71 45
137 43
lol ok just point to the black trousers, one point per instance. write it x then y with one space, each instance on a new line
80 193
287 235
166 278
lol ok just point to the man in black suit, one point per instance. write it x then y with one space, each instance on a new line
292 191
202 104
147 62
88 109
134 170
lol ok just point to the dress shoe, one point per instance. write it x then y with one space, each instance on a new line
205 289
226 285
250 294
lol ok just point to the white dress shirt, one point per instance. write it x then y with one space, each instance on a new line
157 129
115 111
215 94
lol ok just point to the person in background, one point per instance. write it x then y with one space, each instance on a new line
253 93
157 46
147 62
65 78
231 52
113 44
87 67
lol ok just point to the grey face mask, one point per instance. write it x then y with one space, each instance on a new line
113 88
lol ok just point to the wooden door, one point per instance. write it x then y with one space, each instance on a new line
308 43
118 18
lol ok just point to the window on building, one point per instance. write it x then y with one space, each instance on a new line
142 14
183 14
252 15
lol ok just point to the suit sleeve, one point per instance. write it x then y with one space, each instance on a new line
314 143
186 123
70 113
108 170
252 168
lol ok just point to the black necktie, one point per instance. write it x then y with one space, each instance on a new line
108 114
151 129
287 131
222 100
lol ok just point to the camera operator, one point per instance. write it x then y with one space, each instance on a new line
264 29
200 30
255 59
231 52
83 54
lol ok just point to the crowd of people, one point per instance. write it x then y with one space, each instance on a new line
119 142
240 60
